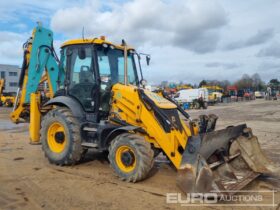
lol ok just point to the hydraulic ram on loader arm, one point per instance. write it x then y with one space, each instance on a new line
40 66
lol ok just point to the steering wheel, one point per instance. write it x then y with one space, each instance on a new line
77 88
84 91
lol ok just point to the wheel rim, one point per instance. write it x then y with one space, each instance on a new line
56 137
125 159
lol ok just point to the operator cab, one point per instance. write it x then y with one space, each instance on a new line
91 70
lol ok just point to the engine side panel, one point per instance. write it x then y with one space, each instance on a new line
127 106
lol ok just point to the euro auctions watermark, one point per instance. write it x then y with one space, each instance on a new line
244 198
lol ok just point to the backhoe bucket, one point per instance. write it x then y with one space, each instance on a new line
223 162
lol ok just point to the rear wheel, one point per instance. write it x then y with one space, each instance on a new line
196 104
131 157
205 105
60 137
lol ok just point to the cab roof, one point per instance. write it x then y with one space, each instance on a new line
100 40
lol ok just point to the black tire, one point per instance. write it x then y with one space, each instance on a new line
143 152
205 105
156 152
196 105
72 152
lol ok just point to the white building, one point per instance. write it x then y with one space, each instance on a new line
11 75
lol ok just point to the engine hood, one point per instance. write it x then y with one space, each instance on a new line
159 100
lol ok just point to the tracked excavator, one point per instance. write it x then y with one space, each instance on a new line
93 97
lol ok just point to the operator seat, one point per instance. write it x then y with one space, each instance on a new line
87 82
86 76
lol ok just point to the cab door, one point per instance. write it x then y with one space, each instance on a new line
82 76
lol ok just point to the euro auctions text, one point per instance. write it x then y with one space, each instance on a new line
228 198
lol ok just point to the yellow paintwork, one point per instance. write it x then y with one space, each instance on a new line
127 106
15 114
7 98
2 83
160 101
214 87
120 164
183 87
92 41
53 144
35 118
215 94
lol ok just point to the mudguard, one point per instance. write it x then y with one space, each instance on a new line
71 103
116 131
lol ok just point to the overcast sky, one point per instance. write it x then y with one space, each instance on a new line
189 40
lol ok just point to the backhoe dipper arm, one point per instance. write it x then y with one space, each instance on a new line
40 61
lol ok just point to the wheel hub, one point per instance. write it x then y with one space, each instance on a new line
59 137
127 158
56 137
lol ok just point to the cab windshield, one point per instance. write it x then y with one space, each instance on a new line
111 66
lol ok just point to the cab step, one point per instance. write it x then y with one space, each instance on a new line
88 144
90 129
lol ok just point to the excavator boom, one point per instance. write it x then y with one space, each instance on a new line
40 66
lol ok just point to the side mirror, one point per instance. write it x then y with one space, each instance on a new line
143 82
148 58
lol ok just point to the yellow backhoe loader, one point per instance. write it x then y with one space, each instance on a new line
6 99
92 97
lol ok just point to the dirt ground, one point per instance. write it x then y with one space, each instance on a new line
28 181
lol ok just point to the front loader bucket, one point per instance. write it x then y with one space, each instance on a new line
222 161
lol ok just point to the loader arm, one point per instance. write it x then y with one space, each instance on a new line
206 160
40 65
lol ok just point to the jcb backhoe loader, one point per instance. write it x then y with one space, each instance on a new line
93 98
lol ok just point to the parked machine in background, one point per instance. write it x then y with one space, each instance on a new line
249 95
94 98
215 93
192 98
183 87
259 94
271 93
6 99
231 94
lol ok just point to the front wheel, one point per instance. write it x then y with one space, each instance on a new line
131 157
60 137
